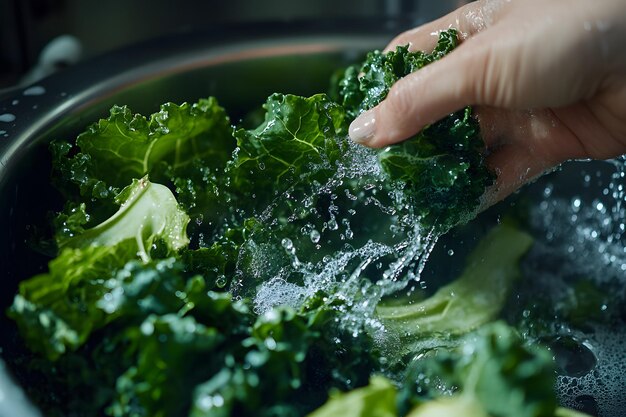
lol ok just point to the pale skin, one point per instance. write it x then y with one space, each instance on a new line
547 79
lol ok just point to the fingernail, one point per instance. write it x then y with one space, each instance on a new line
363 127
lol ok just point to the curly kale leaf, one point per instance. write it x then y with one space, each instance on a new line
229 354
296 142
127 304
166 326
113 152
443 169
364 86
443 164
57 311
492 368
127 146
303 352
171 348
491 372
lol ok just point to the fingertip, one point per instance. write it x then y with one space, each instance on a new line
363 129
416 100
375 128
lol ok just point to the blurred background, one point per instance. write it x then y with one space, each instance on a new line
38 37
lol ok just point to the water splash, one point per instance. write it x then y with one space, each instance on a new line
586 230
7 117
35 90
356 239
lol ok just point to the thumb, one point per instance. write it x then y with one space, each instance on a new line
427 95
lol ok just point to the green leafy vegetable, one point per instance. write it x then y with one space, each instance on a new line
215 349
464 405
566 412
377 399
495 368
364 86
444 169
442 164
127 146
147 212
297 141
111 153
58 310
171 349
473 299
490 373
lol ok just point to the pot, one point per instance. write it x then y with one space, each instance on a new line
241 66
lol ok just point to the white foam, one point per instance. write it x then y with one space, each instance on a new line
606 383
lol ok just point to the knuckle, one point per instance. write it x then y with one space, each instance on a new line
483 78
489 83
396 114
401 97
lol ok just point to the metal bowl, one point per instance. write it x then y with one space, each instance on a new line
241 66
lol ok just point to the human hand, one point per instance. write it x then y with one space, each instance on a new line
548 77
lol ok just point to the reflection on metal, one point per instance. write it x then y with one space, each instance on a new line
13 402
